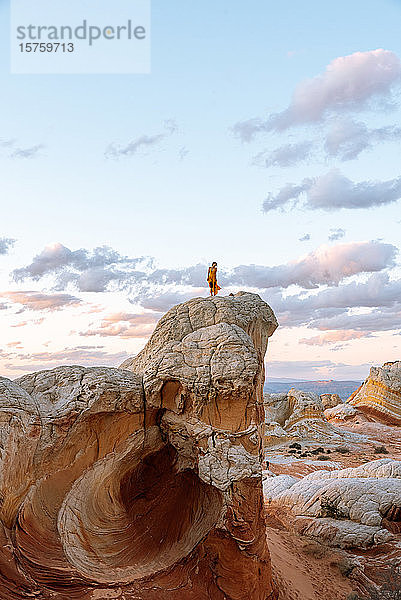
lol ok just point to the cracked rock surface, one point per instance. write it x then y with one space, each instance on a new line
351 507
143 482
300 416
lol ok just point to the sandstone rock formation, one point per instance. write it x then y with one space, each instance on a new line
340 412
380 394
144 482
299 416
351 507
330 400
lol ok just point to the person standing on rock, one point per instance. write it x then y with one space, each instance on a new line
212 279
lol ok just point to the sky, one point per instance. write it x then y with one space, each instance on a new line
266 137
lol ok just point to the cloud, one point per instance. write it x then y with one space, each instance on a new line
321 369
336 234
333 191
350 82
98 270
248 129
183 153
305 237
327 265
125 325
334 337
32 300
6 244
90 271
79 355
141 143
6 143
157 300
339 308
31 152
156 289
284 156
347 138
14 345
378 319
31 322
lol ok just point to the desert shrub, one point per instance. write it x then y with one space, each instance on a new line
343 449
380 450
345 566
314 549
323 457
329 509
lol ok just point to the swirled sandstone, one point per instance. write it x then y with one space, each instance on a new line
142 482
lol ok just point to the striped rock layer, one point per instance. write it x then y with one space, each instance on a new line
380 394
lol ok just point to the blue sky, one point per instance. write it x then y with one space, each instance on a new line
191 190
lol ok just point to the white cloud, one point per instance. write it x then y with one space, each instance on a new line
327 265
321 369
336 234
89 271
349 83
95 271
334 308
284 156
31 152
334 191
141 143
6 244
346 138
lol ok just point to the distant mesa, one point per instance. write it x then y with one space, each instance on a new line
380 395
343 389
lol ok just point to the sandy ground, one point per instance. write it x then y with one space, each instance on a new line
304 569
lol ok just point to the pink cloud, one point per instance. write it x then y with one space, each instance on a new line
83 355
326 265
14 345
32 300
333 337
125 325
348 83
